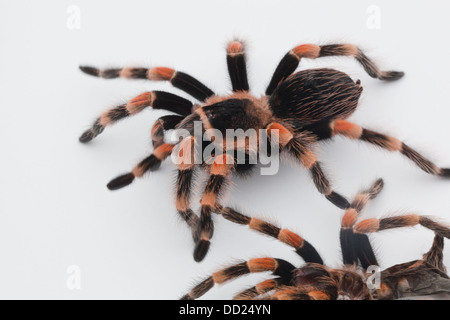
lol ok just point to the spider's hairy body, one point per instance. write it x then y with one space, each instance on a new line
297 111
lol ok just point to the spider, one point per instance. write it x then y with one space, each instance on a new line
300 109
352 281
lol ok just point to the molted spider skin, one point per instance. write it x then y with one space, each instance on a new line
300 108
315 281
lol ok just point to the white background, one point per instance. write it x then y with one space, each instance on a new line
55 210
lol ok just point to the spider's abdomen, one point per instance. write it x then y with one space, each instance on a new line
313 95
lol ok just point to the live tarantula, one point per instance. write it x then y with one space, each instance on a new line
352 281
299 108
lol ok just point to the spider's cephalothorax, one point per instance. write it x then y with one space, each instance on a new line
352 281
299 108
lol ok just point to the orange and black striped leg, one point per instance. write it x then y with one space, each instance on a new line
219 172
302 247
312 281
278 267
292 59
162 125
151 163
294 293
357 246
442 231
298 145
237 68
408 220
354 131
186 166
178 79
262 288
155 99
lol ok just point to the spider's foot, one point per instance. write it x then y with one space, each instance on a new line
201 249
121 181
391 75
87 136
338 200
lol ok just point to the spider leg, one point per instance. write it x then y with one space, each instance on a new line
262 288
161 125
298 145
326 130
236 65
408 220
278 267
357 246
186 166
154 99
219 172
178 79
161 152
302 247
295 293
291 60
151 163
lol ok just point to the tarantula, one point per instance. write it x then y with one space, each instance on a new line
298 109
315 281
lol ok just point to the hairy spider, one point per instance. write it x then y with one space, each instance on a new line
300 109
315 281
